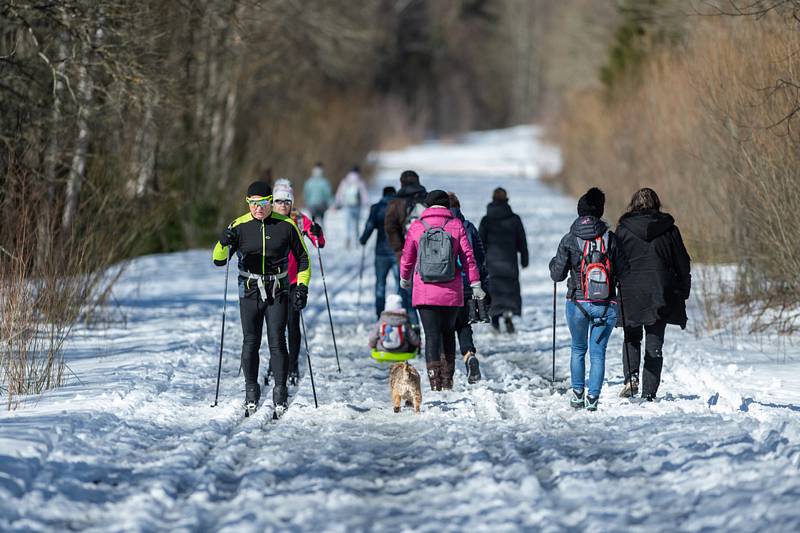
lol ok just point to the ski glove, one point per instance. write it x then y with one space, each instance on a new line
315 229
405 284
300 297
477 291
228 237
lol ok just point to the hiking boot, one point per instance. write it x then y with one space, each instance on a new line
631 387
293 378
252 394
473 368
435 375
649 397
509 323
280 396
576 401
591 403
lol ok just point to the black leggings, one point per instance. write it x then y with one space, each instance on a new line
254 313
653 360
464 331
439 324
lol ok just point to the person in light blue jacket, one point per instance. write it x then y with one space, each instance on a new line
317 193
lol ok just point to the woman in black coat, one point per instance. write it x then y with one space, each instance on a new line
503 238
654 290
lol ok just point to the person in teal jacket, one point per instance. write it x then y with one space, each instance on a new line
317 193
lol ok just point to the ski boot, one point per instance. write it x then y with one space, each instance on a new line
252 394
591 403
631 387
509 324
280 397
576 401
293 379
473 368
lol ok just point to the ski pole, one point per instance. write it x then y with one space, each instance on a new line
360 276
328 304
624 344
222 334
308 356
554 332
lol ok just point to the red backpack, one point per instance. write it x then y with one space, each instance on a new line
596 280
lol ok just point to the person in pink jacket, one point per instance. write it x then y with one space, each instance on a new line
438 303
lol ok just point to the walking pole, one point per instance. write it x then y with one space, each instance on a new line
554 332
360 276
624 344
222 335
308 355
328 304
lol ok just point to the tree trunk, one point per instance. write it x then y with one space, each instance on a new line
145 149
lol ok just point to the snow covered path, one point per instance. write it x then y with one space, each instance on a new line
134 446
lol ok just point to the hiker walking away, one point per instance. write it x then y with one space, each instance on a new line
466 343
655 290
503 238
263 241
317 193
590 254
384 255
407 207
351 195
283 198
433 245
393 332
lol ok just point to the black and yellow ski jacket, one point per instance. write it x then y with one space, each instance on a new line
262 248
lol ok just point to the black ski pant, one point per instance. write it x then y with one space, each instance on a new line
254 312
464 331
653 360
439 323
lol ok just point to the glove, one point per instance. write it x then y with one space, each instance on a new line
405 283
228 237
300 297
315 229
363 241
477 291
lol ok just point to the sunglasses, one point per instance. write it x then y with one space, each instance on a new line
262 201
283 202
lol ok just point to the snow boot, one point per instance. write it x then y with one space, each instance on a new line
576 401
631 387
435 375
473 368
591 403
252 394
448 371
509 324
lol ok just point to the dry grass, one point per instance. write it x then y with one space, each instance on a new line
706 128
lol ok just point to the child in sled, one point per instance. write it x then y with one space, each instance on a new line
393 338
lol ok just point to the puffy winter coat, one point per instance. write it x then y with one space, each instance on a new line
377 215
450 293
503 237
569 254
303 223
659 280
396 213
317 190
398 318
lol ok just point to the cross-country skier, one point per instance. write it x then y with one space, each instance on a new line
263 240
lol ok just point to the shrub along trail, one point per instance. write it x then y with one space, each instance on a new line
135 444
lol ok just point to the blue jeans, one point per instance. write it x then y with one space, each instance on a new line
383 264
353 215
593 335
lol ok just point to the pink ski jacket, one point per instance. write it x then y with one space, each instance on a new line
304 225
448 294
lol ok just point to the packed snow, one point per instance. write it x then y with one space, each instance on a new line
131 443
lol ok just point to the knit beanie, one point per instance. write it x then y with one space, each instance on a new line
437 197
283 190
592 203
259 188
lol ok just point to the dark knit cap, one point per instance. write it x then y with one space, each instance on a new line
437 197
592 203
409 177
259 188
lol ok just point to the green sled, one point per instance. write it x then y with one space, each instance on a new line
392 357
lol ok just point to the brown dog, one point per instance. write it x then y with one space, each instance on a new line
404 382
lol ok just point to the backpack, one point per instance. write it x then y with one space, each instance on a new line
595 268
414 210
352 195
436 261
392 338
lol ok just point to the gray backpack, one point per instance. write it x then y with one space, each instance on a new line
436 262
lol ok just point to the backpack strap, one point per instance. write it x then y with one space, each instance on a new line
427 226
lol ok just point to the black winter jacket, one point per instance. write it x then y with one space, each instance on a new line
503 237
659 280
568 256
377 215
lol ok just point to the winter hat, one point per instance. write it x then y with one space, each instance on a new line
283 190
409 177
437 197
259 188
394 302
499 195
592 203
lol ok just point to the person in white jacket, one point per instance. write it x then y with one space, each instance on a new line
352 195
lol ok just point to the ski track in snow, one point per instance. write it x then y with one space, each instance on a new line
135 446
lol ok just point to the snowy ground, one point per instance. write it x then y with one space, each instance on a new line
135 446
